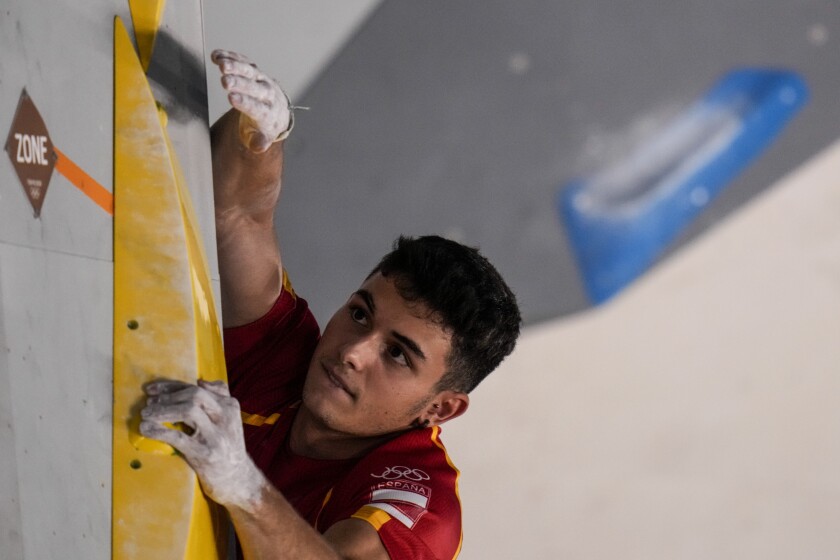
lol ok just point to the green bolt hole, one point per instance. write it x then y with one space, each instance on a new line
133 325
135 464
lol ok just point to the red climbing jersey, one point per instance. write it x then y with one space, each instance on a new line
407 488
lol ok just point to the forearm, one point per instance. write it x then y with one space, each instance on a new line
272 530
244 182
247 164
246 188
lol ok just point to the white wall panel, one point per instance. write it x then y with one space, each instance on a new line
694 417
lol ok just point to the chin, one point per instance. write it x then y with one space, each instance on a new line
321 408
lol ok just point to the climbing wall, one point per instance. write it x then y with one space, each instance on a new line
56 256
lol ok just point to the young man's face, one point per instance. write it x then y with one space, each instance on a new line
375 369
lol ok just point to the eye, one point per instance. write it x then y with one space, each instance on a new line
358 315
398 355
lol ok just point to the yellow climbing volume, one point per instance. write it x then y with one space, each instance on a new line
165 325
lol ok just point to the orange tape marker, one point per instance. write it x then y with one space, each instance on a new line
84 182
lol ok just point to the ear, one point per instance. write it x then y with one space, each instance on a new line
446 406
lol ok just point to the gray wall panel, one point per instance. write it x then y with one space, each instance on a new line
58 334
56 271
465 118
11 533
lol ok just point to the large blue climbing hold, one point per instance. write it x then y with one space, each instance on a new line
621 219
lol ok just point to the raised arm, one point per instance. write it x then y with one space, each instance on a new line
247 167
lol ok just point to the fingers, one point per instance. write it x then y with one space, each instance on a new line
202 430
241 70
215 448
257 142
241 76
252 107
209 398
164 386
218 387
190 413
259 90
265 109
206 409
172 389
176 438
220 55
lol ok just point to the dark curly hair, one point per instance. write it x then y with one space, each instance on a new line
469 296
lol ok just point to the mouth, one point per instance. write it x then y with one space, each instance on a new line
335 379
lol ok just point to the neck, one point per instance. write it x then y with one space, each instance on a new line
310 437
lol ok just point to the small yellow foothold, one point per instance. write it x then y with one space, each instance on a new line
162 116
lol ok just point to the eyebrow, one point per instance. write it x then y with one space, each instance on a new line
407 342
368 297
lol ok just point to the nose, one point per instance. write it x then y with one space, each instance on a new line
359 352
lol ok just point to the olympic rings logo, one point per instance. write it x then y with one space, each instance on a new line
393 473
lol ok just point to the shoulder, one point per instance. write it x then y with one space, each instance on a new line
267 359
417 455
290 316
407 489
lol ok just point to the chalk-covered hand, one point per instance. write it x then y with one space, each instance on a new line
213 445
265 113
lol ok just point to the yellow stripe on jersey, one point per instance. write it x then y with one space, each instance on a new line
287 284
257 420
435 433
375 516
323 505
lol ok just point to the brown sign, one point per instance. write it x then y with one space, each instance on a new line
31 151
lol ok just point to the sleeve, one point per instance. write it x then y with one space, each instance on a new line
267 360
408 491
